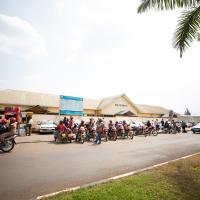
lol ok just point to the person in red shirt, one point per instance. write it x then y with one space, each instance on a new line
61 128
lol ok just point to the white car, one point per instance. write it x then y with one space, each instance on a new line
196 128
136 124
46 126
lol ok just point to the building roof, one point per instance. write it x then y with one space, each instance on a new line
91 104
27 98
18 97
152 109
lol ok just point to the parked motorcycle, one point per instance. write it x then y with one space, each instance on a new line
105 134
120 131
112 133
91 133
66 137
152 131
7 141
80 135
129 132
141 131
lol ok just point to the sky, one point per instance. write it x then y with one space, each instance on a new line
95 49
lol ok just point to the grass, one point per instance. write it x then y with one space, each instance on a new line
178 180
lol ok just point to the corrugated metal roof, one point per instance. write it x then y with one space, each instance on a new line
152 109
18 97
91 103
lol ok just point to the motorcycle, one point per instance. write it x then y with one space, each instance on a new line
105 134
141 131
65 137
153 131
112 133
91 133
120 131
7 141
128 132
80 135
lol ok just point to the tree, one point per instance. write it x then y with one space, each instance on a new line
188 23
187 112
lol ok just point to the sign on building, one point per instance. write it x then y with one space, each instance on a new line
71 105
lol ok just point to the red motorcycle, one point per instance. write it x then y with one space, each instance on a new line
105 134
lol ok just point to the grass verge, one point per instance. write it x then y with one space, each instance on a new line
178 180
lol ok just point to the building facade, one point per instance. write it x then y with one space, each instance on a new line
39 103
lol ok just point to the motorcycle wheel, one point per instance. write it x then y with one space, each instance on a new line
174 132
155 133
115 137
132 137
7 146
82 140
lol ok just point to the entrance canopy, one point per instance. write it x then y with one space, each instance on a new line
125 113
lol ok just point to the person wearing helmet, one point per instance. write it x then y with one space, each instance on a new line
13 125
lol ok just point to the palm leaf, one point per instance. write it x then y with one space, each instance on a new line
187 29
166 4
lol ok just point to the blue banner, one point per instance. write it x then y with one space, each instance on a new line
71 105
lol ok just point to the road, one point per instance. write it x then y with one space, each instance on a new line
37 166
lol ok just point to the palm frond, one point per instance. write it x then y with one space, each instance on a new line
166 4
198 36
187 29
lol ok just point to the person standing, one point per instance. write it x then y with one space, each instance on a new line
29 125
162 123
156 124
184 126
99 130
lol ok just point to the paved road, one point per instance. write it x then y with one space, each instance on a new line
38 166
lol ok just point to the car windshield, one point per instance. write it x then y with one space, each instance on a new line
46 122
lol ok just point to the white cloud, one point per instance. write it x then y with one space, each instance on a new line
18 37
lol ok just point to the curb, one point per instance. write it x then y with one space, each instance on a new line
114 177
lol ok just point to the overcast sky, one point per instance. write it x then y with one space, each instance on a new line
94 49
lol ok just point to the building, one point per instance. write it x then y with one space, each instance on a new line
48 104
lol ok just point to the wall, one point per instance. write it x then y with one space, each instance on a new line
89 111
57 118
195 119
53 109
148 115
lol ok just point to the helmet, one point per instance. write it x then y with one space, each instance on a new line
12 120
3 121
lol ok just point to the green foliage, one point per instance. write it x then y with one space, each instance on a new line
166 4
178 180
186 32
188 23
